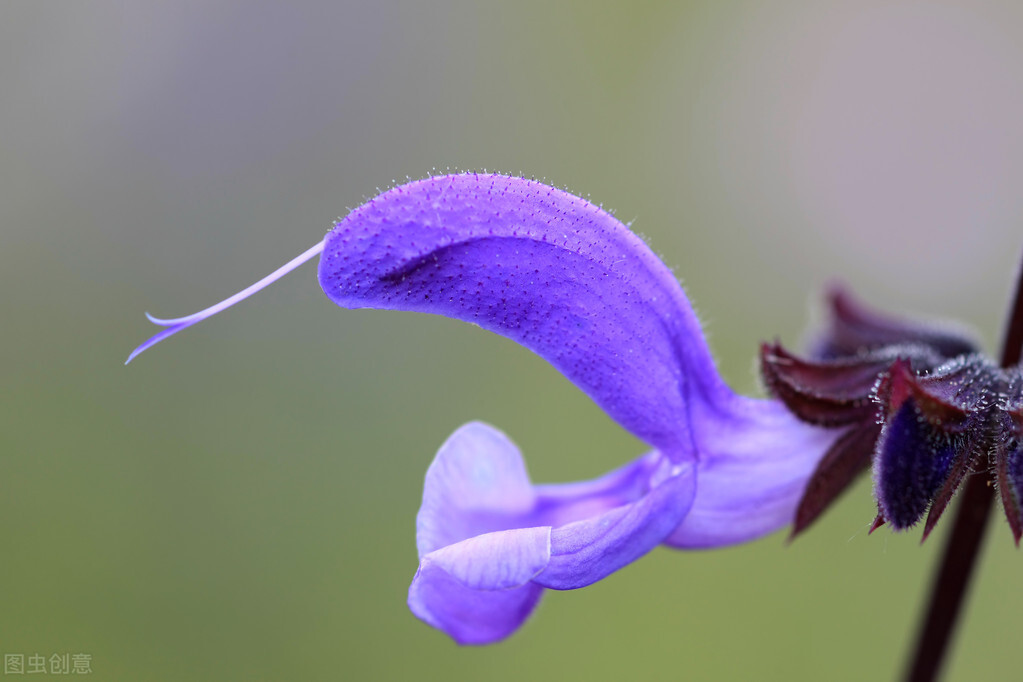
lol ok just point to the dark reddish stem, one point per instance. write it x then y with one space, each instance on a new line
963 546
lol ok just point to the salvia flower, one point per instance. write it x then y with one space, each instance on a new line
567 280
916 401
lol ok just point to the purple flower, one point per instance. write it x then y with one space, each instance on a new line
570 282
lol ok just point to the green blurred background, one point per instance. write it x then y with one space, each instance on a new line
239 503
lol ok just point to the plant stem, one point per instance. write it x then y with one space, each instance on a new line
953 579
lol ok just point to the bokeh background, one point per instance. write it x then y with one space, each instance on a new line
239 503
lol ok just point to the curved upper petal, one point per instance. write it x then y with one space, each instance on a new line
755 461
545 268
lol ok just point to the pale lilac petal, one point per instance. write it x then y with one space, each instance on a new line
587 551
545 268
481 589
476 484
755 461
467 615
559 504
488 539
496 561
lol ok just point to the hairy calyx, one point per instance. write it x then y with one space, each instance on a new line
918 403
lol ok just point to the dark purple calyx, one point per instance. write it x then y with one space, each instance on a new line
916 401
855 328
1008 451
838 391
935 432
